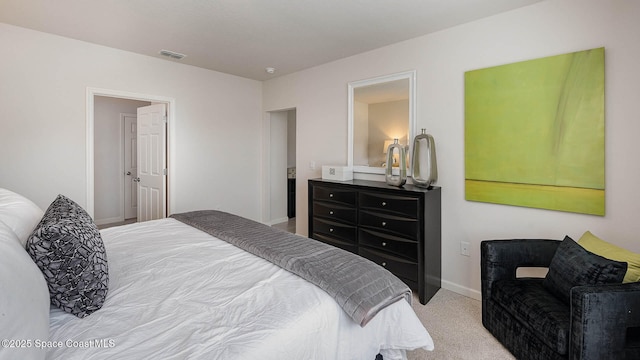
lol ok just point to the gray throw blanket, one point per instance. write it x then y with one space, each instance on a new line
358 285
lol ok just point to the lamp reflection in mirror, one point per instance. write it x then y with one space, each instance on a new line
401 178
425 168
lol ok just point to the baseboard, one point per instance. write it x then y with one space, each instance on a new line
278 221
109 220
468 292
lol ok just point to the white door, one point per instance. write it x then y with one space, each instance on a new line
130 166
152 137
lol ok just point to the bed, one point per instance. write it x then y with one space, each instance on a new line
177 292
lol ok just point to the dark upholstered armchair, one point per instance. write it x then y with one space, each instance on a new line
600 322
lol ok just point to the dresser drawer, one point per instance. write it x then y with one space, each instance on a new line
399 205
389 244
335 212
390 224
335 230
398 266
351 247
346 197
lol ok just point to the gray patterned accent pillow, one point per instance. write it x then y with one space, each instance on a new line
67 247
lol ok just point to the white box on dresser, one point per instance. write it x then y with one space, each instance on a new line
339 173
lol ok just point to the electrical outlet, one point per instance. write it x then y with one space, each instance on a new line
312 165
464 248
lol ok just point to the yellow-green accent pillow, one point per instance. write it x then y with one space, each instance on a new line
600 247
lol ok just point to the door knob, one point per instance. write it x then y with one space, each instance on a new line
128 172
136 179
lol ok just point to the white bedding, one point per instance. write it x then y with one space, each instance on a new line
178 293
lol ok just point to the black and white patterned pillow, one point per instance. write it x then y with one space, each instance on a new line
67 247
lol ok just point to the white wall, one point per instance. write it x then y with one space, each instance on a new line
109 157
43 86
549 28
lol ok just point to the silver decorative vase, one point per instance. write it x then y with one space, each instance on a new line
424 166
401 178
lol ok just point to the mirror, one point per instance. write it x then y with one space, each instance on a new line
381 109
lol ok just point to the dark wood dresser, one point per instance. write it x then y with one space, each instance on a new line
398 228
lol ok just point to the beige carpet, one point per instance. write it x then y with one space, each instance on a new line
454 322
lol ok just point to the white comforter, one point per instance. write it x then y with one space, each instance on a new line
178 293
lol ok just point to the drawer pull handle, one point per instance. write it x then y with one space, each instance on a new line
384 223
331 230
331 212
384 264
384 244
331 195
384 203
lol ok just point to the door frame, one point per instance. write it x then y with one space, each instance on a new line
91 93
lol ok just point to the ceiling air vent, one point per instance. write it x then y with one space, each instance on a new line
171 54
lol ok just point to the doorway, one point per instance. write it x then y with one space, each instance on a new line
106 175
282 169
114 140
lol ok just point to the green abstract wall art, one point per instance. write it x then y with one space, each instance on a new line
534 133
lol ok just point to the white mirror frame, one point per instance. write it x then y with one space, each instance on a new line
411 76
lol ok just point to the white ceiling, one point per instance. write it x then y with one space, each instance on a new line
243 37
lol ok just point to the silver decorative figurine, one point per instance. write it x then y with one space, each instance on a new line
401 179
425 169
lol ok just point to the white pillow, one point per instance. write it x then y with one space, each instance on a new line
24 300
19 213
